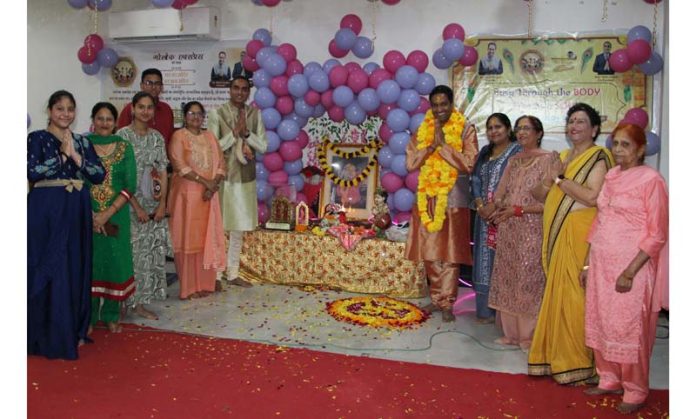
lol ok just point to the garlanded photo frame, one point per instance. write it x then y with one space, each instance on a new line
350 177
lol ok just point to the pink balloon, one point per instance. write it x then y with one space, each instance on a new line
335 51
352 22
86 55
285 105
470 56
327 99
639 51
637 116
358 80
300 197
402 217
385 133
270 3
384 110
336 114
252 47
418 60
453 30
290 150
338 76
352 66
263 212
393 60
423 106
94 42
373 113
312 98
619 61
294 67
250 64
272 161
378 76
287 51
302 139
278 178
412 181
390 2
391 182
179 4
279 85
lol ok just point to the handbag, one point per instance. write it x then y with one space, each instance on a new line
151 184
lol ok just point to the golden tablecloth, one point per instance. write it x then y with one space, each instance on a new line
289 258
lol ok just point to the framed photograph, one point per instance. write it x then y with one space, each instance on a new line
348 162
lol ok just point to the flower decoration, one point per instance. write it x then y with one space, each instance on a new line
362 152
377 312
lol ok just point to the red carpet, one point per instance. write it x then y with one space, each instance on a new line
152 374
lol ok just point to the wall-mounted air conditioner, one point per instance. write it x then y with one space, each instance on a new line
194 23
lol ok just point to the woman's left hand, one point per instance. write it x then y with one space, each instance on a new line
160 212
502 214
624 283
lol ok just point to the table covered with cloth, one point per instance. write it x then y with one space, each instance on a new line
375 266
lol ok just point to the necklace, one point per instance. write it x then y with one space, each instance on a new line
104 150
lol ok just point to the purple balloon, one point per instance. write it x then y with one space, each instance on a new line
28 120
409 100
107 57
264 98
296 181
363 47
303 109
653 145
263 190
639 32
311 67
406 76
398 165
273 141
261 78
416 120
275 65
345 38
370 67
79 4
398 143
319 110
388 91
609 143
162 3
100 5
293 167
342 95
329 64
319 81
398 120
404 199
261 171
425 84
440 60
297 85
453 49
653 65
264 54
92 68
262 35
368 99
297 119
288 130
355 114
385 157
271 118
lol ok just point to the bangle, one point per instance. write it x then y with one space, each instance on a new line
518 211
586 267
559 179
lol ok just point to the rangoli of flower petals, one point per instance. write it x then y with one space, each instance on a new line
377 312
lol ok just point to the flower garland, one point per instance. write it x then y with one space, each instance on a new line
362 152
437 177
376 312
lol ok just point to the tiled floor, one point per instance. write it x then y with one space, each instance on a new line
295 317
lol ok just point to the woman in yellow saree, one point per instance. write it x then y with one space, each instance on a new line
570 189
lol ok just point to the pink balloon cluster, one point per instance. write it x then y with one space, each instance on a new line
269 3
347 39
93 55
453 48
639 117
638 52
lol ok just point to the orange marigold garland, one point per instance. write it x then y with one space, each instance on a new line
437 177
376 312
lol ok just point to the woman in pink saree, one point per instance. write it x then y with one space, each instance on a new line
196 221
625 271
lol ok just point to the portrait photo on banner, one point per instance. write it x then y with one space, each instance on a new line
351 179
228 65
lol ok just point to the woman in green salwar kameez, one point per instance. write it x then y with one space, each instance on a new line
112 266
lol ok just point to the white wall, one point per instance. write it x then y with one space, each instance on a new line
56 31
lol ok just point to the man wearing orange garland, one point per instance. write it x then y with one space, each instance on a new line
444 149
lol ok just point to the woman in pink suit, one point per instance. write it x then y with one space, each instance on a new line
626 271
196 221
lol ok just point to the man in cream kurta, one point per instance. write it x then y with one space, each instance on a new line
239 139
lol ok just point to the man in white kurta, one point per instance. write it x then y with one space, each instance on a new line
239 139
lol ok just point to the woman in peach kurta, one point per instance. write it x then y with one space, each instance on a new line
195 222
626 271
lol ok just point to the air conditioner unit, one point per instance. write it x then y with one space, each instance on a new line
191 23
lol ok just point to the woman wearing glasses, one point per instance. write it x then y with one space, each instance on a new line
112 269
488 170
517 282
148 228
196 219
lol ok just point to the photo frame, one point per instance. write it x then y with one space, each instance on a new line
347 162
